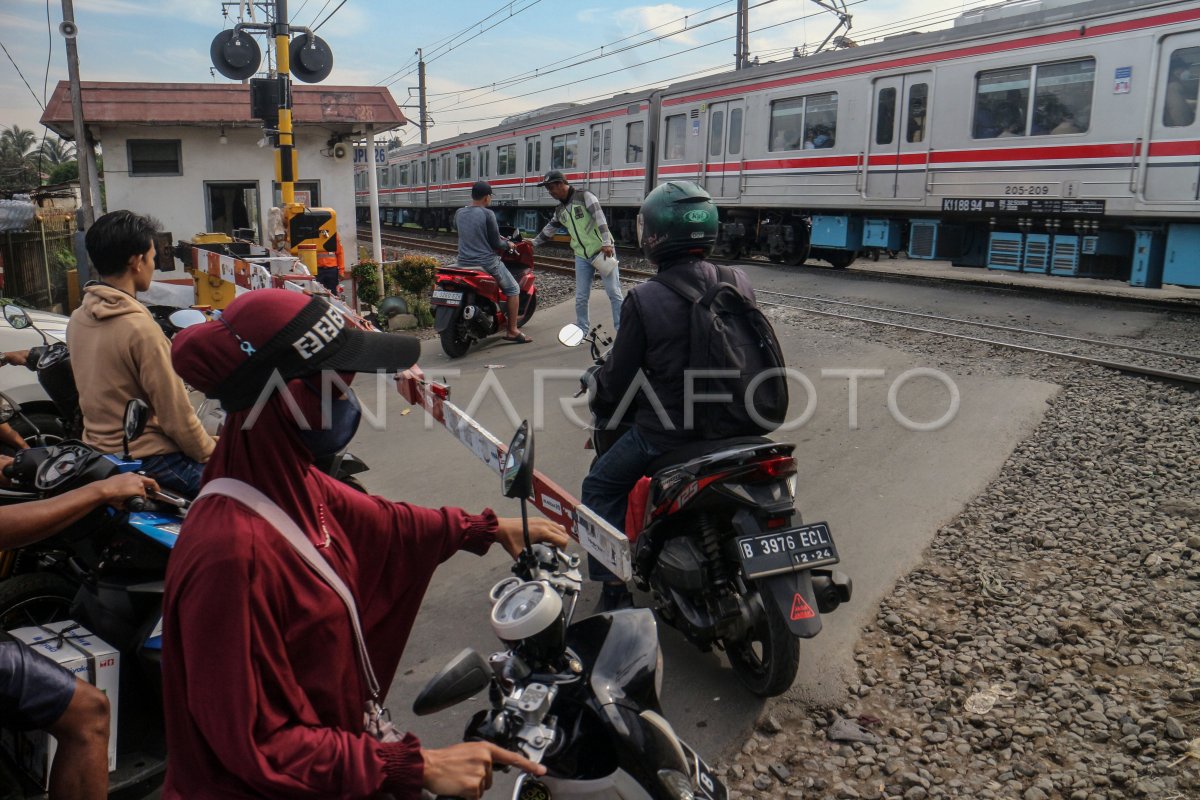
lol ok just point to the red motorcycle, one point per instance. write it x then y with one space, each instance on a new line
468 304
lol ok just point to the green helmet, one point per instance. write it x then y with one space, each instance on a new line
676 219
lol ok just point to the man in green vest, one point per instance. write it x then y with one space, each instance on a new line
579 212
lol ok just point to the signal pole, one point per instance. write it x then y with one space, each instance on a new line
421 100
286 151
741 58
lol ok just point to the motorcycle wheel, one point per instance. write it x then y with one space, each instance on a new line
454 344
35 599
530 307
767 659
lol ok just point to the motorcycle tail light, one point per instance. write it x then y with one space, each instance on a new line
778 467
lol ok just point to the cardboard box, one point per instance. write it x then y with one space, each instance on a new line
89 658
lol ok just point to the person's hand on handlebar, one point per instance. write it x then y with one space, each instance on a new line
119 489
465 770
511 536
16 357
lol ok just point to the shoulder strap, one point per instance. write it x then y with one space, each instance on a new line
679 286
260 504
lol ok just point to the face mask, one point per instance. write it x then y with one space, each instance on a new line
346 413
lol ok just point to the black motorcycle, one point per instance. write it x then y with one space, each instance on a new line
581 698
106 572
723 549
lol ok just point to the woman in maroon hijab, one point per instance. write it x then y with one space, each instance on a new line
264 694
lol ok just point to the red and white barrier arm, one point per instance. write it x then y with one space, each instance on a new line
595 535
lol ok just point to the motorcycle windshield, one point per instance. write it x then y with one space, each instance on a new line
622 648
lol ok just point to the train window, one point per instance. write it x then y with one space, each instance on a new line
804 122
674 138
635 136
433 170
885 116
404 175
595 148
424 174
1001 102
735 131
462 168
1062 97
1183 84
564 151
607 158
533 155
918 100
506 159
716 133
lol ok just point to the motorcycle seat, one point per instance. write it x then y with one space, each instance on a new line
699 449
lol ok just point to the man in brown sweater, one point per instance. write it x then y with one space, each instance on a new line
118 352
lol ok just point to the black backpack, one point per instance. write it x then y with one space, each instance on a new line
729 332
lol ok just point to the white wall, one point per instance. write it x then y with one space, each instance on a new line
178 201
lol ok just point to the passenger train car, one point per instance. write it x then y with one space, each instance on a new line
1050 136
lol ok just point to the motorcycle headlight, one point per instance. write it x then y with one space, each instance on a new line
677 784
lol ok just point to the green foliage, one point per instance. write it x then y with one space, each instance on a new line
63 259
64 172
366 279
413 274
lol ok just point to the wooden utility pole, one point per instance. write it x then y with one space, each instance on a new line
82 145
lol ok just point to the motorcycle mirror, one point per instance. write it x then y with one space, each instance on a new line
137 414
571 335
466 675
516 477
8 409
186 318
16 317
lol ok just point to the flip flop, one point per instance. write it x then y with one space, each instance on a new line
520 338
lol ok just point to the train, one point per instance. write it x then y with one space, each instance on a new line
1043 136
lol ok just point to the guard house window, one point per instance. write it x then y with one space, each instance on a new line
808 123
462 167
918 101
635 139
1182 87
533 155
155 157
735 131
673 140
563 151
506 159
885 116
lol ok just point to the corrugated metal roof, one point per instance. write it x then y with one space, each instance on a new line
208 104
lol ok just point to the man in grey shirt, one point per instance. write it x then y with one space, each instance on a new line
478 240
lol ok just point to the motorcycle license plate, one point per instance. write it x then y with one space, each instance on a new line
789 550
708 785
445 298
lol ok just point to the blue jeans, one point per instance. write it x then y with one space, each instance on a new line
607 485
584 271
174 472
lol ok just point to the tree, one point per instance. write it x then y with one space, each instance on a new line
18 160
55 151
66 171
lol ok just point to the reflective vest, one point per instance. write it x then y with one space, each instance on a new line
585 233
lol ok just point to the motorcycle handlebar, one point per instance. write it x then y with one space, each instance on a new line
136 504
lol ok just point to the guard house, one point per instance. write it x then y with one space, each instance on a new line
190 154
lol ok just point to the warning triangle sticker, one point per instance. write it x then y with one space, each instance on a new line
801 609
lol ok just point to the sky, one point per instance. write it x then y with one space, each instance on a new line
485 59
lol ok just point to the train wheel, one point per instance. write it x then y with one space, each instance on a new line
776 257
841 259
796 258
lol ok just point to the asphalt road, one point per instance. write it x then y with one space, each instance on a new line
883 488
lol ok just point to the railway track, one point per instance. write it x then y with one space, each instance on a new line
1183 368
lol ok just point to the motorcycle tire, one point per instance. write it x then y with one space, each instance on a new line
767 659
530 307
454 344
35 599
51 427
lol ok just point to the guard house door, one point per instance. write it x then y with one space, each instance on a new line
898 144
1172 168
232 206
600 160
722 161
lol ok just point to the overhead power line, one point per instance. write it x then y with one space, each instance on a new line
36 99
331 13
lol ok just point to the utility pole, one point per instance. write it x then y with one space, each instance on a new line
421 88
82 145
741 58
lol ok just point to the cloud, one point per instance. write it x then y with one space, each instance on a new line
659 20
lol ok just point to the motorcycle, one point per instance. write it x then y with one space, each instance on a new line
468 305
106 572
721 547
581 698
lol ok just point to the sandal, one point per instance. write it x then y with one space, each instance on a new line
520 338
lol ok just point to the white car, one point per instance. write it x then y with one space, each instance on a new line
20 384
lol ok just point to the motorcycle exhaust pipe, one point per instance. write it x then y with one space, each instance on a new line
832 588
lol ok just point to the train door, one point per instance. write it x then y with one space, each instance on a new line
899 139
722 160
1172 171
533 169
600 163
